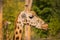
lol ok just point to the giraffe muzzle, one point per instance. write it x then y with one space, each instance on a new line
45 26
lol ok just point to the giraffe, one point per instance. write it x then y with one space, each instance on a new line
27 18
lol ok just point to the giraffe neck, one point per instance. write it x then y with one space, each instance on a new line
18 30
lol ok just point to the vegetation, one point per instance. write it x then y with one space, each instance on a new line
48 10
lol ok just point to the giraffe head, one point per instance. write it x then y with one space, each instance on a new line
33 20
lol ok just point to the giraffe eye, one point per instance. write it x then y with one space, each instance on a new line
31 17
